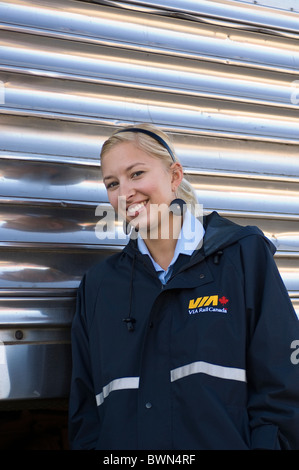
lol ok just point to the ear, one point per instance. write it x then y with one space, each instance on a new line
177 175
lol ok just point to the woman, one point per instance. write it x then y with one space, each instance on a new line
180 341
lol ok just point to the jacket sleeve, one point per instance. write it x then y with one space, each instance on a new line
83 414
272 375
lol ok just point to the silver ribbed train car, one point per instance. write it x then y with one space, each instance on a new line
222 77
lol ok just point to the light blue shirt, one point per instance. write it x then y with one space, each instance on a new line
190 238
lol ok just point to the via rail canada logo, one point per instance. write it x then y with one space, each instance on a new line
209 303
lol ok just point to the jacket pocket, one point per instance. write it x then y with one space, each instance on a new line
268 437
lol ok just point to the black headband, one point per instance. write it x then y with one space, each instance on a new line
151 134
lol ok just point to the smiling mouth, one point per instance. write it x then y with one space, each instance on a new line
134 209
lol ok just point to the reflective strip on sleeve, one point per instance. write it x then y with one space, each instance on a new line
124 383
200 367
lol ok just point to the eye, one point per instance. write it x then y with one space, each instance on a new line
111 185
137 173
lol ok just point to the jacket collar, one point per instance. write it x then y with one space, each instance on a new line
219 233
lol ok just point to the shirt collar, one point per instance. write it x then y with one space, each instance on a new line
190 238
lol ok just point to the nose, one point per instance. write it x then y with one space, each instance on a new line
126 190
125 194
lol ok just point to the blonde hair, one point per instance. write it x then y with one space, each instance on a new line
150 145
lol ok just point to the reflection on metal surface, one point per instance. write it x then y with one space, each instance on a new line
33 266
296 307
280 17
36 311
5 385
39 97
28 376
221 79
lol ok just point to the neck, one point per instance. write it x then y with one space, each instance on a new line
162 248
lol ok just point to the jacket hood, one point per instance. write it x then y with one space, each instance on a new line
221 232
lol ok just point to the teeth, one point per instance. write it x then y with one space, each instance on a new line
135 208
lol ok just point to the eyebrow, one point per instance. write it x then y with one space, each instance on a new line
129 168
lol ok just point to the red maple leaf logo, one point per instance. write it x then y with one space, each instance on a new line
223 300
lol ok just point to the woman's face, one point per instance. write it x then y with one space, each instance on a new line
139 186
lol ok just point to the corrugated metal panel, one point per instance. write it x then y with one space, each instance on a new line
222 80
286 5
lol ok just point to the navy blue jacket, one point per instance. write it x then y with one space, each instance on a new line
208 364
